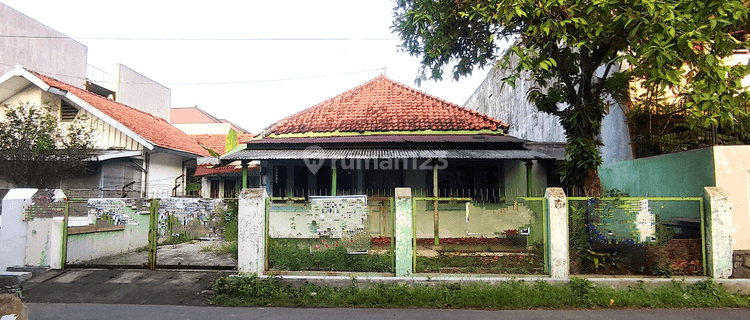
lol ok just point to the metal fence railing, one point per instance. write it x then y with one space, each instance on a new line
463 235
665 130
638 236
347 233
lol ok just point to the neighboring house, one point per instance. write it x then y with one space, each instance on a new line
130 88
195 121
139 152
225 181
498 100
382 135
49 52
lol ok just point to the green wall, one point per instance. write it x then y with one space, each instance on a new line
682 174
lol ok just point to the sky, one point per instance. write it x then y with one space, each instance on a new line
252 83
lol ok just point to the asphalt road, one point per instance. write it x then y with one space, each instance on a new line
43 311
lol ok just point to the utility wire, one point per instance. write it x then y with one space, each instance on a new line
192 39
214 83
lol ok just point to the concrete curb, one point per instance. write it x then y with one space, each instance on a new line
9 278
733 285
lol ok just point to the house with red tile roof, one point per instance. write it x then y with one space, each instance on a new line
137 151
224 181
382 135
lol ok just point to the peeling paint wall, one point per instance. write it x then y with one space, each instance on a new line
44 243
404 233
558 235
251 238
719 230
128 212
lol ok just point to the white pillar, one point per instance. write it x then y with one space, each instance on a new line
251 237
558 233
13 231
718 228
404 233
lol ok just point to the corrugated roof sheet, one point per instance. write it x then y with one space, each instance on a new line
321 153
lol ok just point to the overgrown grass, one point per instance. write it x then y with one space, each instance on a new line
181 238
578 293
221 247
287 255
228 219
451 262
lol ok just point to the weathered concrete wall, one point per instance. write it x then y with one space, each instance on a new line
13 232
671 175
37 242
142 93
732 169
163 168
44 240
63 59
251 238
719 232
89 246
511 106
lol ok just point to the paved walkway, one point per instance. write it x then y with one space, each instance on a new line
121 287
193 253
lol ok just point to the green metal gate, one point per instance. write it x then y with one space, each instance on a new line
659 236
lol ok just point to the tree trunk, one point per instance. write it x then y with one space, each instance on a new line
592 186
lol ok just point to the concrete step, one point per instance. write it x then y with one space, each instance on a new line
10 278
35 271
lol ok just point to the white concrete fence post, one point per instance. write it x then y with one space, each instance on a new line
251 233
718 228
404 233
557 209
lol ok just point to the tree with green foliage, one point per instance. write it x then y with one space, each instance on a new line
573 50
37 152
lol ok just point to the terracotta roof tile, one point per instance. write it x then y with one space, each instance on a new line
215 142
154 129
218 142
384 105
